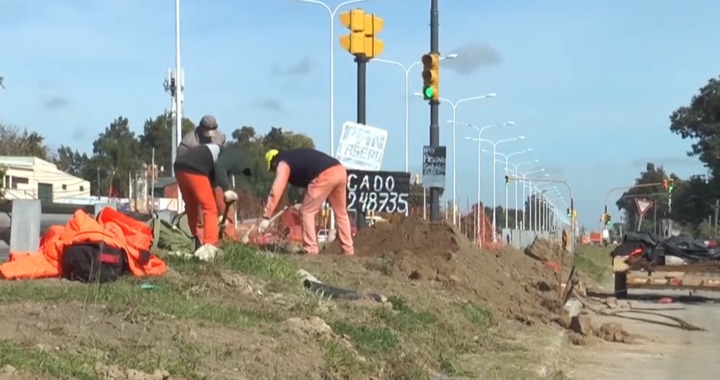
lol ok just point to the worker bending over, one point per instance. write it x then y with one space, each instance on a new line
207 132
324 178
197 170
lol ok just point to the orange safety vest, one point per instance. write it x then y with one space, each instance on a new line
110 227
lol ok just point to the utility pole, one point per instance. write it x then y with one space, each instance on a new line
716 207
363 44
431 83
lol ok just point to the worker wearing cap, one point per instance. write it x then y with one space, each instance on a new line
207 133
324 178
196 170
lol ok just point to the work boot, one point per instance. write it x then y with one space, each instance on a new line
207 252
196 243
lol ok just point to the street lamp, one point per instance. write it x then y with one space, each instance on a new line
495 144
507 162
515 183
407 69
541 200
528 184
479 155
454 139
332 13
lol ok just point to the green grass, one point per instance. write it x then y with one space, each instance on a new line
477 315
57 364
594 262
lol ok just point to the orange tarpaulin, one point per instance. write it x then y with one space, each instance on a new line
112 228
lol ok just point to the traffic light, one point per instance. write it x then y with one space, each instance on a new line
608 219
362 40
602 218
665 184
431 76
507 180
671 185
569 214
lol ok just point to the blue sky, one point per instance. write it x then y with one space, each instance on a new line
589 84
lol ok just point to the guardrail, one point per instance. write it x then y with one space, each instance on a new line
26 217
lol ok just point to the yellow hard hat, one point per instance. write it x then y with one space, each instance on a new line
269 157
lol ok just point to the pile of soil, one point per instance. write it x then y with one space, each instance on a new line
509 282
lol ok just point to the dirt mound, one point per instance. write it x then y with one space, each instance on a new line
513 284
411 234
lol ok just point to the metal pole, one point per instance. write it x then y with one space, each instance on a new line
178 94
407 118
515 183
152 185
361 112
332 90
506 195
434 106
454 173
480 209
494 222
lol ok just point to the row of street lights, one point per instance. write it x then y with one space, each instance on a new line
332 12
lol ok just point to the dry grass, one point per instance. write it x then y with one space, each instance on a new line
228 320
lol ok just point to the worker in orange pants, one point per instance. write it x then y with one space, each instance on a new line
196 170
324 178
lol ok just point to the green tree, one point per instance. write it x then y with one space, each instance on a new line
70 161
21 142
700 121
115 158
655 193
157 134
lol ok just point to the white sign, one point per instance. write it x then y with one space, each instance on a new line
361 146
643 205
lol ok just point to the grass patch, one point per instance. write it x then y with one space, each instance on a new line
241 258
340 362
368 339
405 318
56 364
129 295
477 315
594 262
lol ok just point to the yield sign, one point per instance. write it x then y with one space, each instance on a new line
643 205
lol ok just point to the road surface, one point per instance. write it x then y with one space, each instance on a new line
46 221
661 352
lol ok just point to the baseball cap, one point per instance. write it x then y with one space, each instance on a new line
209 122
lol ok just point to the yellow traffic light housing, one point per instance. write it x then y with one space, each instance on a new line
431 76
363 30
602 217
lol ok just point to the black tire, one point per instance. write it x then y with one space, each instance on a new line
621 285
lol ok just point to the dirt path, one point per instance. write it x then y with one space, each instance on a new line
661 352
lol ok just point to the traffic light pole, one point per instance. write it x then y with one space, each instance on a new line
434 107
362 61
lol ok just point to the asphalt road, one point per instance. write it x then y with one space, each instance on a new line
661 352
46 221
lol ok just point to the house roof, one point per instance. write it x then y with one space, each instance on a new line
23 161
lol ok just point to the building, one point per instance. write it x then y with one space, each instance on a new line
34 178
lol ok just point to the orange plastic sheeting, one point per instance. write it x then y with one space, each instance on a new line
111 227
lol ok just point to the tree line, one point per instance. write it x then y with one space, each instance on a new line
693 203
119 154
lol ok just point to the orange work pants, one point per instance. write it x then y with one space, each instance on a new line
229 231
330 185
198 195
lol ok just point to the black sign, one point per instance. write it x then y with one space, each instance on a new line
434 165
378 191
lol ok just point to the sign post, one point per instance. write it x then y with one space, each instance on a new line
642 205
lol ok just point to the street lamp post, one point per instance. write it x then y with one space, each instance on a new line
480 208
515 183
528 185
494 181
507 162
541 199
332 13
454 140
407 69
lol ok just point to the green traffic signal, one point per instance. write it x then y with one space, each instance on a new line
428 92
